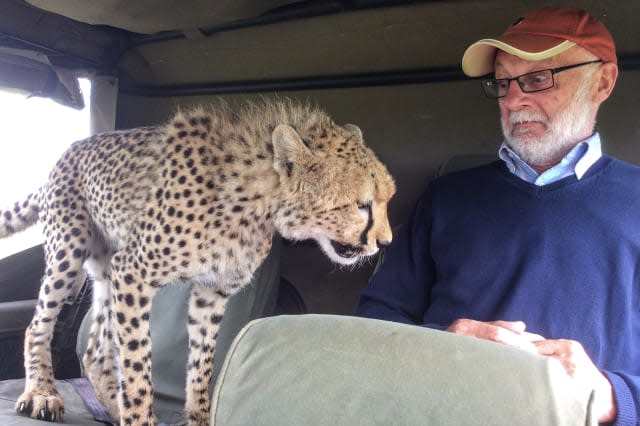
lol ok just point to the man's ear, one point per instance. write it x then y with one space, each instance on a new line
606 82
288 148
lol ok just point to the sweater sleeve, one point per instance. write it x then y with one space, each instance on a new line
626 390
399 289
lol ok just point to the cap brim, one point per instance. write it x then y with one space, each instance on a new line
478 59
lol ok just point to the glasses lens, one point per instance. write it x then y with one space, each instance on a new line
536 81
495 88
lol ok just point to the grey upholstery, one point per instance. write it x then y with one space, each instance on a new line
326 370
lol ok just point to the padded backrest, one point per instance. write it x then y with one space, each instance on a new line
327 370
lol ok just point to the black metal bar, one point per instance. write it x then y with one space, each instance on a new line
305 83
387 78
276 16
629 62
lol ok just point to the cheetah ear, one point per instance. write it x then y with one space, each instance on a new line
354 130
288 148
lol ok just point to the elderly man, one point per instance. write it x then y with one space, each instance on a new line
548 237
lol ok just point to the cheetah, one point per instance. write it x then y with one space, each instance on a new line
196 201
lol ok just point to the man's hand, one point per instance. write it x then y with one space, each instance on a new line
579 366
570 353
506 332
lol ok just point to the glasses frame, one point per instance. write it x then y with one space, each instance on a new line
553 71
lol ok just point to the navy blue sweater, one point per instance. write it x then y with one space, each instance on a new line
564 258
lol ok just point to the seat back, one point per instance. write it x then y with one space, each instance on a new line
325 370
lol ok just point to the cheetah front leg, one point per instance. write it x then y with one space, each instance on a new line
40 399
206 307
60 285
132 297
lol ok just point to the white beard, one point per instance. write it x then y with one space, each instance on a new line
561 135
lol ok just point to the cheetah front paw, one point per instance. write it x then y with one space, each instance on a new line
41 406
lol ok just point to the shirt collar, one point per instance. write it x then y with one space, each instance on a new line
576 162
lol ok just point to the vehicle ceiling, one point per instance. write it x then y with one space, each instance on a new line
147 43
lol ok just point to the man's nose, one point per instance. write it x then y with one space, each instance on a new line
515 96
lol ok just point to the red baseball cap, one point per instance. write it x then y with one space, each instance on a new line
541 34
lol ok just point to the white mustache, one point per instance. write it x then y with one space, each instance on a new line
518 117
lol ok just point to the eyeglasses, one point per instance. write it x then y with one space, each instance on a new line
535 81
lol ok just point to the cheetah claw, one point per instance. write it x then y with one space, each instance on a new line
47 408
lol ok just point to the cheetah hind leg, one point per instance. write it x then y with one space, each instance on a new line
100 359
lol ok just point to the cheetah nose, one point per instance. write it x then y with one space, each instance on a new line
383 244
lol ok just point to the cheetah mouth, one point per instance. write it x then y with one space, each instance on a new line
345 250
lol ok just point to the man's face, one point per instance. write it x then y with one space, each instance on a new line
542 127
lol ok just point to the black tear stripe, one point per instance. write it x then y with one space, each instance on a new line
363 236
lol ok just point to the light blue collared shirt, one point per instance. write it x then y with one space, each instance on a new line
576 162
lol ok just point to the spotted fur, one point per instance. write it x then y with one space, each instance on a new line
196 200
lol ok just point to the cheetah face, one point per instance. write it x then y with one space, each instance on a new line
337 197
343 244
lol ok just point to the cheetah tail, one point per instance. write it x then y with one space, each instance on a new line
23 215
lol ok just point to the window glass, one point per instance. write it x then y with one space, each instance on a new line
34 132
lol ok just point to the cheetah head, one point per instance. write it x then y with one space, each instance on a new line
334 190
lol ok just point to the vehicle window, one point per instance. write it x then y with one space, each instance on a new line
34 133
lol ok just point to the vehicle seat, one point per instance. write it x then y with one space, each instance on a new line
267 295
326 370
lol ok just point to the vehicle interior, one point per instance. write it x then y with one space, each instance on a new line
390 67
